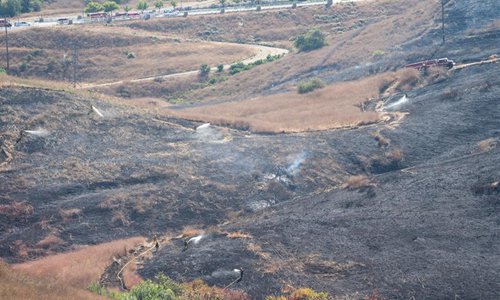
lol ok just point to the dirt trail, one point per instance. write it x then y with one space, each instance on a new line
493 59
261 53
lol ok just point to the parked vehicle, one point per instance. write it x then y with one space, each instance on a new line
5 23
22 24
64 21
441 62
98 16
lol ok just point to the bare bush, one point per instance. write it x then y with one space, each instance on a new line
450 94
357 182
436 74
381 140
408 79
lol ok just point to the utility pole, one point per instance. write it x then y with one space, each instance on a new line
75 64
442 18
6 44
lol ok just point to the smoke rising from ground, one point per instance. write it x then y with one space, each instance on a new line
39 132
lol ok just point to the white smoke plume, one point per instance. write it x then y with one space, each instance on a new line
39 132
294 167
97 111
399 102
195 240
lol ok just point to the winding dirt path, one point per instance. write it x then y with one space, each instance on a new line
261 53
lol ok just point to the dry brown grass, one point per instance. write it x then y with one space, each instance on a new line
357 182
189 231
50 241
15 285
487 144
103 54
71 213
257 250
334 106
79 268
408 79
16 210
365 27
239 235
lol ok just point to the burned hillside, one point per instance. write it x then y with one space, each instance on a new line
404 205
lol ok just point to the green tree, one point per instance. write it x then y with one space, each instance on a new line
222 2
127 8
94 7
159 4
10 8
173 3
36 5
314 39
110 6
204 71
142 5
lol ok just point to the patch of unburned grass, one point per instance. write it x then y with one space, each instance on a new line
334 106
487 144
15 285
239 235
79 268
357 182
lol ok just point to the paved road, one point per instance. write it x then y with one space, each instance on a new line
52 21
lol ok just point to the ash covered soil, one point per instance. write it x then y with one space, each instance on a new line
427 228
424 223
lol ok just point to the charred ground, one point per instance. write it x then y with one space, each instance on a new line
421 221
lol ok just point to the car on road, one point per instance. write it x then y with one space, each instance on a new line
171 14
22 24
64 21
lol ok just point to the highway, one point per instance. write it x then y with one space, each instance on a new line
178 13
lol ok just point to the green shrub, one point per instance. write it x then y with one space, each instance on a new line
23 67
148 290
310 85
217 79
130 55
2 71
308 294
312 40
258 8
220 68
378 53
204 70
238 67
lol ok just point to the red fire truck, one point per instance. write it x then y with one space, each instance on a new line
441 62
